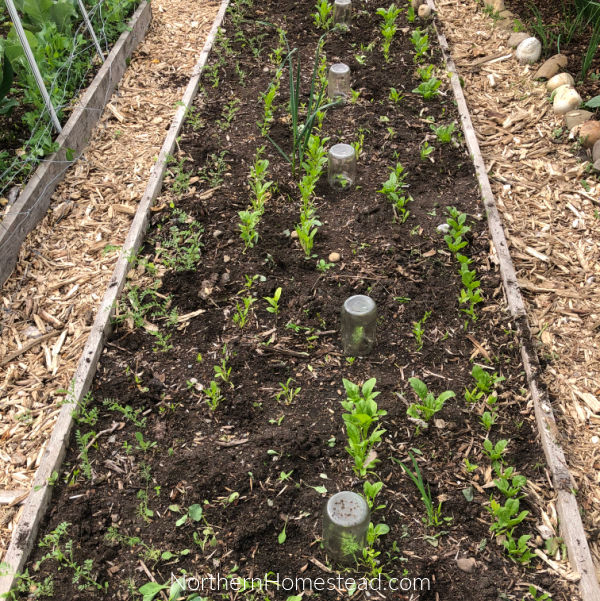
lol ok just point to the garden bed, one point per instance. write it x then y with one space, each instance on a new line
261 463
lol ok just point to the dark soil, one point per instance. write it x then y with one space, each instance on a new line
253 462
552 22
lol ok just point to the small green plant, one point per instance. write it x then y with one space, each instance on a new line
193 514
418 330
223 371
507 516
133 415
425 73
495 451
273 301
428 89
371 491
538 596
324 266
229 112
323 17
362 414
242 311
396 96
426 150
420 41
180 250
443 132
455 237
287 392
488 419
434 514
268 98
410 13
143 445
388 27
393 189
213 395
508 482
429 405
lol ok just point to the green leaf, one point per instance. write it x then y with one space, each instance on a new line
182 520
468 493
151 589
419 387
195 512
282 537
320 489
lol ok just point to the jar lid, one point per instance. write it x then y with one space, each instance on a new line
359 304
341 151
343 2
347 509
340 68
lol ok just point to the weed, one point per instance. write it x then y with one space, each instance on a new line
133 415
324 266
181 250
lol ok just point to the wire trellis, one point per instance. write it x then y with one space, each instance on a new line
64 86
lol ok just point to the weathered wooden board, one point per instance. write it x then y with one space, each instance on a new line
33 202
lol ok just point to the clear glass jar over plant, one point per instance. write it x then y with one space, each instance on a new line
342 13
341 170
345 523
338 81
358 325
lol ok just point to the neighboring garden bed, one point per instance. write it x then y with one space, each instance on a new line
252 473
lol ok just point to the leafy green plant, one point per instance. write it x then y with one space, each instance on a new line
143 445
443 132
242 311
428 89
495 451
133 415
287 392
268 98
213 396
426 150
396 96
507 516
324 266
323 17
193 514
508 482
430 404
229 111
393 189
180 251
362 414
434 514
388 27
273 301
455 238
418 330
223 371
420 41
371 491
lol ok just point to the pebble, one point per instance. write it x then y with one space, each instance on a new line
294 235
560 79
577 117
589 133
466 564
566 99
443 228
551 67
217 234
596 165
595 439
596 151
516 38
424 11
529 51
225 278
226 258
334 257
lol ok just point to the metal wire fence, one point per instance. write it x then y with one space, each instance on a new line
67 54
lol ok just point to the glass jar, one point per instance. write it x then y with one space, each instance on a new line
341 170
346 519
358 325
342 12
338 81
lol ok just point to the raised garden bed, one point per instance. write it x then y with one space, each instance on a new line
148 449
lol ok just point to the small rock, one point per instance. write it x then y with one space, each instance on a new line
551 67
566 99
589 133
294 235
225 278
467 564
226 258
334 257
595 439
516 38
506 24
217 234
424 11
577 117
560 79
443 228
596 151
529 51
265 69
596 165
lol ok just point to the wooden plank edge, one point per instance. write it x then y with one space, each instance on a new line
571 526
37 502
33 201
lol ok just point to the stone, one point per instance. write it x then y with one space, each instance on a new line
596 165
443 228
589 133
551 67
529 51
294 235
576 117
565 99
516 38
467 564
217 234
558 80
596 151
334 257
496 5
424 11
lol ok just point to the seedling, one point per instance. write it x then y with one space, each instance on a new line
324 266
143 445
223 371
507 515
213 395
362 413
371 491
420 41
488 419
430 404
273 301
470 467
443 132
509 483
418 330
396 96
393 190
133 415
434 514
495 452
287 393
268 98
242 311
323 17
428 89
388 27
193 514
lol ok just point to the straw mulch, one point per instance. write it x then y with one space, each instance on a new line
549 207
50 301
